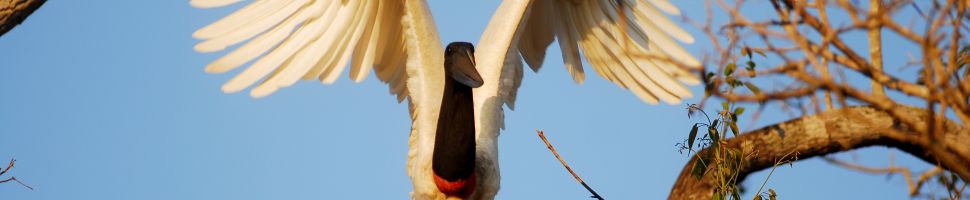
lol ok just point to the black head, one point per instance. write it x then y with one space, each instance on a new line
460 64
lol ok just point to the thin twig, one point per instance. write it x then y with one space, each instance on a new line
914 185
8 167
784 159
12 178
580 180
18 181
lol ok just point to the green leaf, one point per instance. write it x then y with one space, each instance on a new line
700 165
738 111
712 133
752 72
729 69
754 89
942 179
734 82
736 157
751 66
725 105
690 138
698 170
717 196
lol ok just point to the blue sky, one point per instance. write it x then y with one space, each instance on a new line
106 100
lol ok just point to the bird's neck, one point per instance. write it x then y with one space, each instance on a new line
453 161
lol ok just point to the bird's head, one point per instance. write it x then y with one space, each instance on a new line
460 64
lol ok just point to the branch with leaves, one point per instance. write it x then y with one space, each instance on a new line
831 131
809 58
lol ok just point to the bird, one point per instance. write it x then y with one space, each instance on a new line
631 43
453 156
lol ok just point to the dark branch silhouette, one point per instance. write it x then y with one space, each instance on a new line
12 178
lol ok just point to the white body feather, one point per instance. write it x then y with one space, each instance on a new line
315 39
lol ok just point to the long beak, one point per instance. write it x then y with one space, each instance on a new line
471 57
465 71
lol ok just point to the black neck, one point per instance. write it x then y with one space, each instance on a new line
454 147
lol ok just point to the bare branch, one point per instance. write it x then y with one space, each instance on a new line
578 179
12 178
914 186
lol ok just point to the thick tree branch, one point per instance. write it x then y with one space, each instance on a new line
13 12
832 131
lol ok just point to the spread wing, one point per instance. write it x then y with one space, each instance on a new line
290 40
628 42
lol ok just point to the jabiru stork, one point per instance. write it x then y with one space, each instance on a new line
453 140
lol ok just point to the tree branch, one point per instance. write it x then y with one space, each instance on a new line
914 186
832 131
12 178
13 12
580 180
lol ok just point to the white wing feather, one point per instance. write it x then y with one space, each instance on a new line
316 39
425 66
287 40
236 28
620 53
622 47
497 62
665 6
211 3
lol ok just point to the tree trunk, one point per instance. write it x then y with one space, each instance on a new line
13 12
834 131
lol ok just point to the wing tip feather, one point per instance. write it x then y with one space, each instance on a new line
207 47
211 3
358 79
671 102
262 91
230 88
198 34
